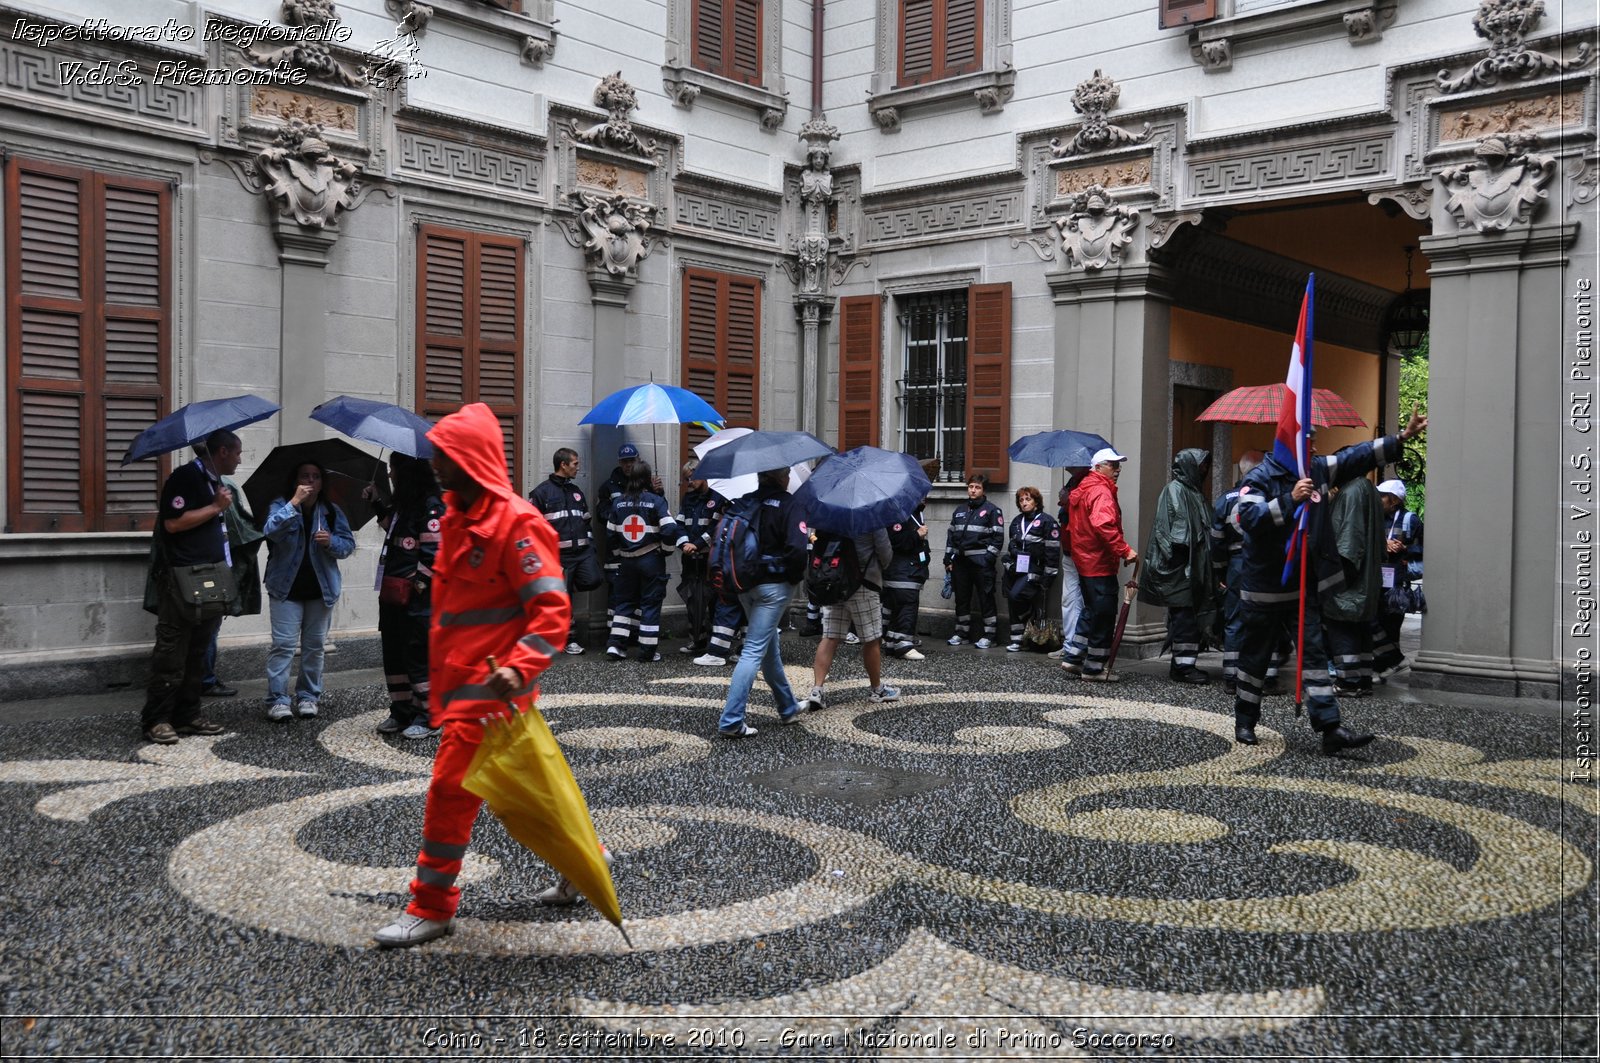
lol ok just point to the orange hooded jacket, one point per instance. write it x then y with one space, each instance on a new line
497 585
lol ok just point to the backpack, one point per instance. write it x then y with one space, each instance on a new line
833 572
736 562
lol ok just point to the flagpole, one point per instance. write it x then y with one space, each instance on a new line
1305 513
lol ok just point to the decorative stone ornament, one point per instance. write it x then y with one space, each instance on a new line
1502 188
1093 98
1504 24
315 19
816 192
303 179
1097 230
618 98
535 50
617 228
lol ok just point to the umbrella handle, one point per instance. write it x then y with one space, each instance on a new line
1131 588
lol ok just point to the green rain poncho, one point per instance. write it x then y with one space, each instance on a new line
1177 568
1358 533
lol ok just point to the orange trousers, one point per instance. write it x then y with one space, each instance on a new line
446 823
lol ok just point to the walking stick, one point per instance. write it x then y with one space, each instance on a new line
1128 592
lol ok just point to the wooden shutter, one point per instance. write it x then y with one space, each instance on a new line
963 37
89 307
469 327
939 39
989 380
916 41
860 355
1184 12
725 38
721 349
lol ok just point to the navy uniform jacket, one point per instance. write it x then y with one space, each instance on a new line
1265 514
910 564
1038 536
698 514
563 504
640 525
1227 541
977 531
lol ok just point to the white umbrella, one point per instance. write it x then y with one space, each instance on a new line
739 486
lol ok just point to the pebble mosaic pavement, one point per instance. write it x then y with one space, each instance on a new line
1001 865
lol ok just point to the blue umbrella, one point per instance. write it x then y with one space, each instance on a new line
760 451
651 404
1058 450
383 423
196 421
862 490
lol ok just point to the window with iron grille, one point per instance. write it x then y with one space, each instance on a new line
933 382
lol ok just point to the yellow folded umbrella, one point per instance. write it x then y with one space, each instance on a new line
522 776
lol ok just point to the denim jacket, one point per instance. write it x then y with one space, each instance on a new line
285 548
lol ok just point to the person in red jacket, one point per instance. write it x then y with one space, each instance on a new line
497 592
1095 526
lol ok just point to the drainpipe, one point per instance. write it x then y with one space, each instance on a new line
816 57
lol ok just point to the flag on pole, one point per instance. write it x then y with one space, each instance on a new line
1291 444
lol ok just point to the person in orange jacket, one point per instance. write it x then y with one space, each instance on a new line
1097 549
497 592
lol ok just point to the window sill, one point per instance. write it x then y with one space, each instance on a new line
61 546
989 89
533 30
684 85
1212 43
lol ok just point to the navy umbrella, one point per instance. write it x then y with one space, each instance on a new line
760 451
195 421
1058 450
862 490
383 423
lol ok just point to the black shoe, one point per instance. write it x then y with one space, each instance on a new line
1344 690
1338 738
219 689
809 629
1192 676
1244 735
1271 687
1230 687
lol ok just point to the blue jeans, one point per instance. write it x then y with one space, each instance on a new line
297 623
764 606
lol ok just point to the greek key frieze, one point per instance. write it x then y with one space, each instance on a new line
35 75
1324 164
734 219
471 163
950 216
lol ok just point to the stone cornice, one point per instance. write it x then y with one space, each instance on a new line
1373 120
413 117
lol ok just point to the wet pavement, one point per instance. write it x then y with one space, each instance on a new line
1002 864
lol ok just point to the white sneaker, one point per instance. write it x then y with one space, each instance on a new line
574 648
954 640
983 644
616 653
306 710
279 712
1015 647
744 730
411 930
709 660
913 655
851 638
564 894
885 693
813 701
1056 655
418 731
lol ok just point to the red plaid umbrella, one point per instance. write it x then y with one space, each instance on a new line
1261 405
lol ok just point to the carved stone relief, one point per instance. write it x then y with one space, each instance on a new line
618 99
608 177
1216 56
284 104
1534 115
1131 174
1504 24
816 196
1583 186
1161 227
535 50
303 179
617 230
318 25
1096 231
1501 188
1094 98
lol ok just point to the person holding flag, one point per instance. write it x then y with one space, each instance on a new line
1291 554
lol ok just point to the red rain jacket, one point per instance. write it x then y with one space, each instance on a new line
1096 526
497 586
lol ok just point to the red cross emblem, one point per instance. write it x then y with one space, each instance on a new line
633 528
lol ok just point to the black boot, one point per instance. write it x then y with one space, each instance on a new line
1192 676
1337 738
1244 734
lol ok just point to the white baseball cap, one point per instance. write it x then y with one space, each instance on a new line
1393 487
1105 454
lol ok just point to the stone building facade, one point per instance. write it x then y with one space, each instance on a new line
959 222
